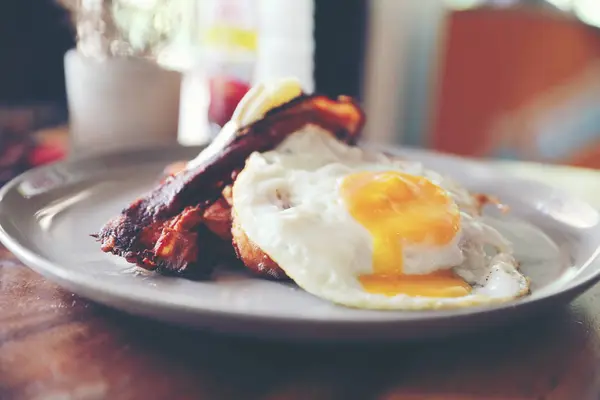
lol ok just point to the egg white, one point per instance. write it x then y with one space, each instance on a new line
288 203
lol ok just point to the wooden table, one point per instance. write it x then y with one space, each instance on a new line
55 345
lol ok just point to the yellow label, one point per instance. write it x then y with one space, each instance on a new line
229 37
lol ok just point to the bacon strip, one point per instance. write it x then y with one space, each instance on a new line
166 229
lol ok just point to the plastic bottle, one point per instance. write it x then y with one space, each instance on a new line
239 43
286 41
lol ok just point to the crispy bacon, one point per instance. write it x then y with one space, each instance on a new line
183 226
217 217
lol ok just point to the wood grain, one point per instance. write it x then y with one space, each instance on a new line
55 345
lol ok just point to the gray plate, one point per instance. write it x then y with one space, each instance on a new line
46 216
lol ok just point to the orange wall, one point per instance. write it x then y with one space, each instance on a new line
506 72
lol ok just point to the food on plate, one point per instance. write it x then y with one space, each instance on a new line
165 230
285 190
366 230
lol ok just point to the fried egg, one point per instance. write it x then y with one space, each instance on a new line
366 230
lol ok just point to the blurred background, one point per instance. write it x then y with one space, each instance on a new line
502 79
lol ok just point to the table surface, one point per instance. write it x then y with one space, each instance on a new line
55 345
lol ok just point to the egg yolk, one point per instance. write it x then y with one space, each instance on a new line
398 209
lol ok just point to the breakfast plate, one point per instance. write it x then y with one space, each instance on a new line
47 215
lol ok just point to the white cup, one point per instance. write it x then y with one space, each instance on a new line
120 103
